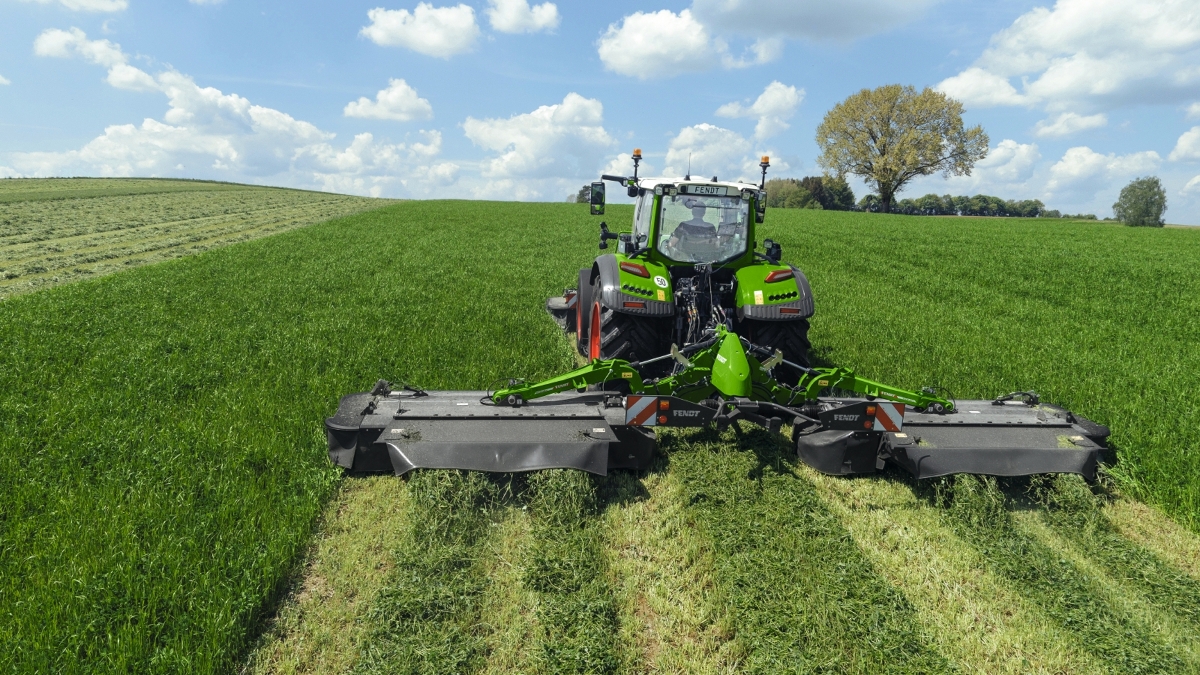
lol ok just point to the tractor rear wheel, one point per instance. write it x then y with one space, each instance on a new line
614 335
583 311
789 337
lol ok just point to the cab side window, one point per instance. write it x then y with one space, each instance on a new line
643 211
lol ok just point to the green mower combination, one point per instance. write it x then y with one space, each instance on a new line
687 324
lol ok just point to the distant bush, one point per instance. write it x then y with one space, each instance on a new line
811 192
584 196
1142 203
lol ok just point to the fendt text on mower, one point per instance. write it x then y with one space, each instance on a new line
689 325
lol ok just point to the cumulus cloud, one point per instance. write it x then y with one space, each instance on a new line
566 139
211 133
398 102
441 32
1187 147
714 151
89 5
773 108
1193 111
813 20
1087 53
662 44
4 80
1084 165
1008 162
1192 187
517 16
1069 123
66 44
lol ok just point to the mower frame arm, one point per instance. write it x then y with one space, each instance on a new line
814 380
596 372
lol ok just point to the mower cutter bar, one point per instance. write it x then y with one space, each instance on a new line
399 431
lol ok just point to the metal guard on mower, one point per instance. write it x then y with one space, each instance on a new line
528 427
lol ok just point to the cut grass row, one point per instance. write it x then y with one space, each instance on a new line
85 231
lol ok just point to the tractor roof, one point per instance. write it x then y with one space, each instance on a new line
651 183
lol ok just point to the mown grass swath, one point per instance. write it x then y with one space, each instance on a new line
798 591
162 460
54 231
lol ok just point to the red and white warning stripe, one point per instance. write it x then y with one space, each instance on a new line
889 416
639 411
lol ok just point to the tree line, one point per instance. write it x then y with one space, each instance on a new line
979 205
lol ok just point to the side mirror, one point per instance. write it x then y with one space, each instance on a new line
597 200
760 207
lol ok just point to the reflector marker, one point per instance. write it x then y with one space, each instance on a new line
889 416
640 410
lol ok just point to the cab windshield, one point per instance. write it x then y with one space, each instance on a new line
698 229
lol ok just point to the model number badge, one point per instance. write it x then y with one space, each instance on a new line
660 281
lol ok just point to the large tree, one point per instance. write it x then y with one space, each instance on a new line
1142 202
893 134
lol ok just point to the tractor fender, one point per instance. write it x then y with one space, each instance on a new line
607 269
800 308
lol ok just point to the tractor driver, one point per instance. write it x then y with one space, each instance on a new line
694 231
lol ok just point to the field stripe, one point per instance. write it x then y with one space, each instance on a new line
1150 528
1114 587
971 614
981 514
318 629
800 595
426 620
508 607
663 578
576 613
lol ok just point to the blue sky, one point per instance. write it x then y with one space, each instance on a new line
504 99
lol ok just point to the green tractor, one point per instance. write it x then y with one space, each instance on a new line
689 261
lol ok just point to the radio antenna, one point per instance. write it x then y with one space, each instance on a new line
689 173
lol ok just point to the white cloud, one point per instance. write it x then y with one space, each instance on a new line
1084 165
772 109
89 5
563 140
66 44
206 132
714 151
4 80
516 16
1193 186
1187 147
1193 111
665 44
976 86
434 31
1008 162
1069 123
1094 53
398 102
658 44
842 20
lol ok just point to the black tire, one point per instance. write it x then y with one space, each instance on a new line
789 337
631 337
583 311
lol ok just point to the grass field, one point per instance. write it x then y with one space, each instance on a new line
163 466
58 230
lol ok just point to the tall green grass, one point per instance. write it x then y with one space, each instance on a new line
162 462
162 458
1097 317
